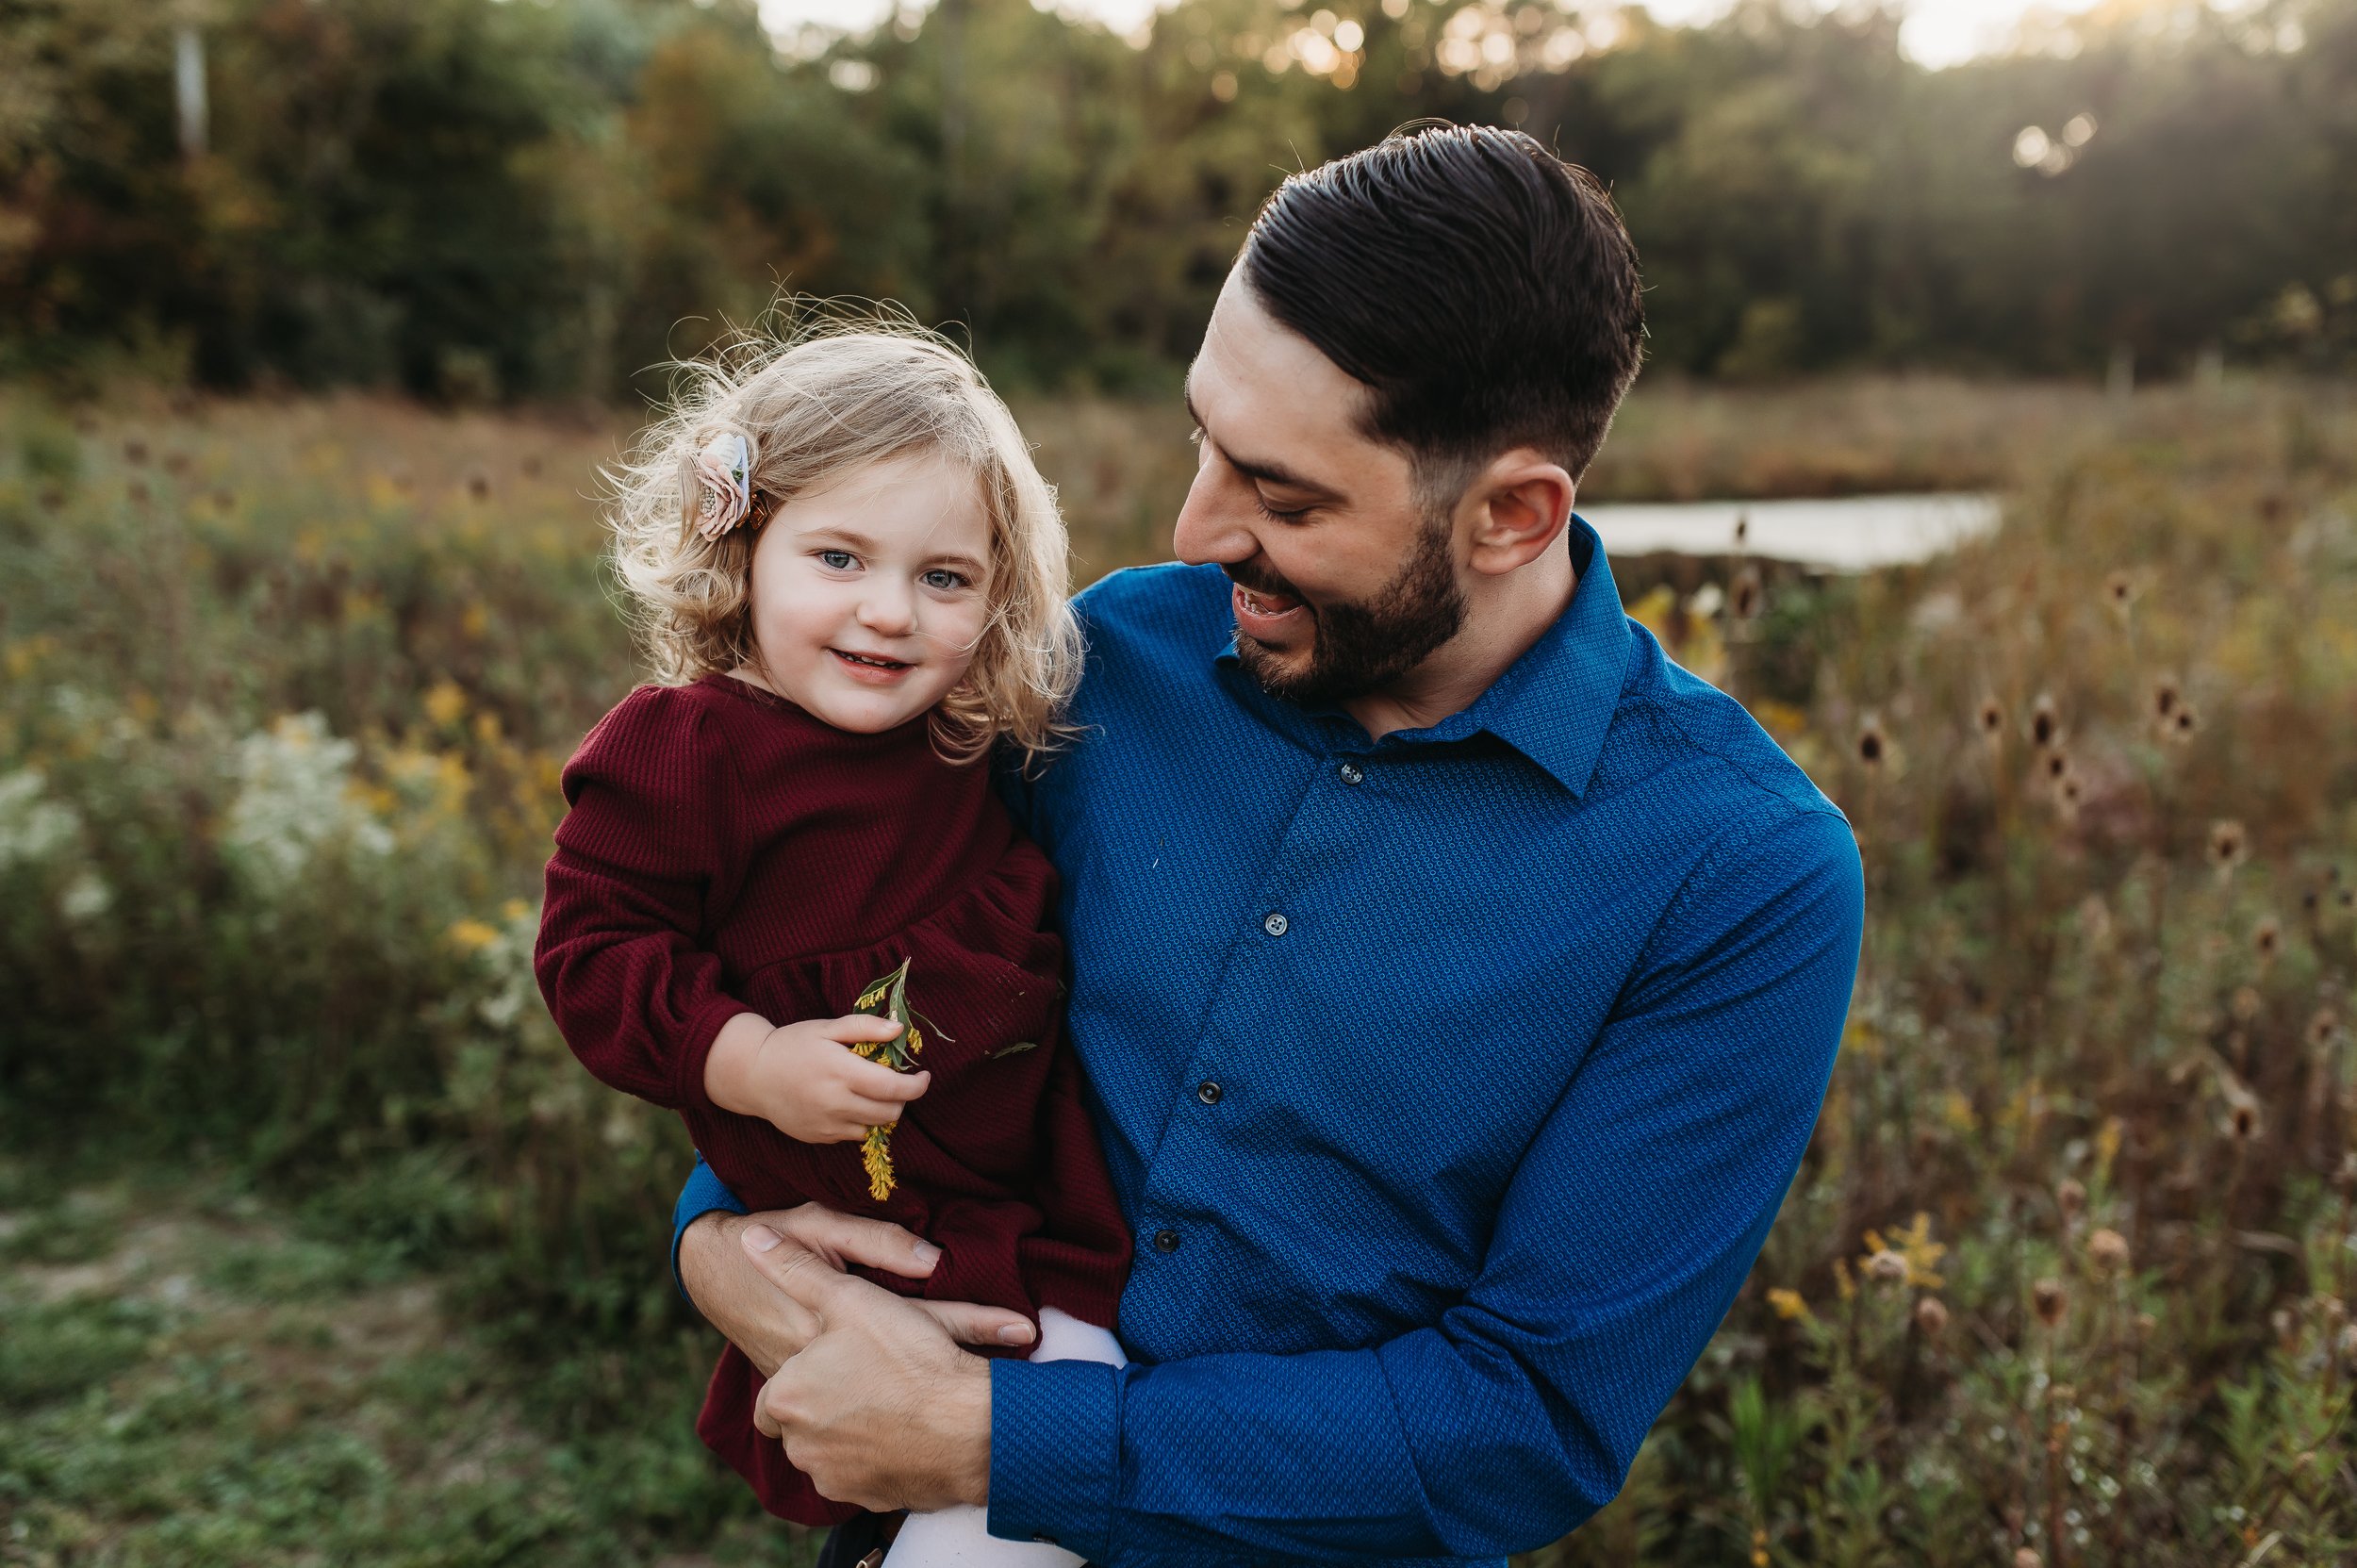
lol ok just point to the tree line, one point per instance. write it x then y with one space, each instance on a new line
477 199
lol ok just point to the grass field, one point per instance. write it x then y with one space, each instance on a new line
316 1246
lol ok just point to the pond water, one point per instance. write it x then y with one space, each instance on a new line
1843 533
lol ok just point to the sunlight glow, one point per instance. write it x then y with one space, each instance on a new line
1936 33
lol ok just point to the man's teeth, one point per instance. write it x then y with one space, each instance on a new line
1261 606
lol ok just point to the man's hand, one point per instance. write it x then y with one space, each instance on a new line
719 1259
880 1408
804 1079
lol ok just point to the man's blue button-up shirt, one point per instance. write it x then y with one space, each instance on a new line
1450 1082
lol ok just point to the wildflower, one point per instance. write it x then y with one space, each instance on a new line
888 997
2322 1028
2227 846
2267 939
2049 1301
86 898
2242 1123
2057 766
1759 1537
1909 1257
1844 1287
2045 725
1873 745
2168 698
2071 1198
1744 599
445 702
2182 725
1886 1267
1931 1316
1788 1305
2107 1249
471 935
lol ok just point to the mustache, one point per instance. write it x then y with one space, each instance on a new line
1255 578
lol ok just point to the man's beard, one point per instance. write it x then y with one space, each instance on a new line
1361 647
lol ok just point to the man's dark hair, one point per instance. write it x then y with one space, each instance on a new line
1481 288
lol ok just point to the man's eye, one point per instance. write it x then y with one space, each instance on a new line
1276 514
836 560
945 580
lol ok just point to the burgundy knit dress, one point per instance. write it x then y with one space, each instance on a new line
726 852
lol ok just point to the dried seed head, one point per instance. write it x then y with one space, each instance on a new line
1873 748
2027 1559
135 451
1743 599
1931 1316
1991 721
2267 939
141 494
2071 1198
2049 1301
2045 725
2120 592
2182 725
2245 1004
176 463
1886 1267
479 484
2242 1123
2322 1028
2107 1249
1742 529
2057 766
2146 1322
2228 845
2168 697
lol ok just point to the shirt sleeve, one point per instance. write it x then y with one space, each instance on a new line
703 1193
637 869
1625 1233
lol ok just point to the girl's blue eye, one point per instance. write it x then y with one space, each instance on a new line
944 579
838 560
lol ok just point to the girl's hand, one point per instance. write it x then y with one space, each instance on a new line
805 1081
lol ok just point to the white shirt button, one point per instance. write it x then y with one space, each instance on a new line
1276 925
1353 774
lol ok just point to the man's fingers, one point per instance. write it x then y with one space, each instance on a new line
864 1114
971 1325
851 1239
807 1276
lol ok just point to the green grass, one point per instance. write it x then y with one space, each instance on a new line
189 1374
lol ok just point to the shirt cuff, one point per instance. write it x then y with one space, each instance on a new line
688 1084
704 1193
1055 1453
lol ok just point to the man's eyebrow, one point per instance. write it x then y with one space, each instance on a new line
1265 471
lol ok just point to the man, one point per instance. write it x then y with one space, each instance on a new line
1457 977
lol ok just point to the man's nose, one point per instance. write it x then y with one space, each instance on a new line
1215 524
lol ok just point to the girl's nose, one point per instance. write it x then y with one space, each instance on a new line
888 611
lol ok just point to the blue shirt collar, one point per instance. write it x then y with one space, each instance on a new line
1555 702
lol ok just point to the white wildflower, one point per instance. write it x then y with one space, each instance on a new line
32 826
294 800
86 898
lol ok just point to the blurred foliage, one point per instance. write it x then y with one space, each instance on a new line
2066 1269
489 199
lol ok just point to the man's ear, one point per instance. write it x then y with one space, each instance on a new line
1514 510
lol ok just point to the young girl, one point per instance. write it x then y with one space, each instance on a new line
783 874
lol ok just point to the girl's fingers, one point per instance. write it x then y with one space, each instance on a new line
874 1081
860 1028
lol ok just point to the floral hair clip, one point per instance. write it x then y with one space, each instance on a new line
724 469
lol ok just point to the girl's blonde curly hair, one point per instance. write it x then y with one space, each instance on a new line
813 405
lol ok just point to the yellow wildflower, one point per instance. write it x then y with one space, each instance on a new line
471 935
1788 1305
